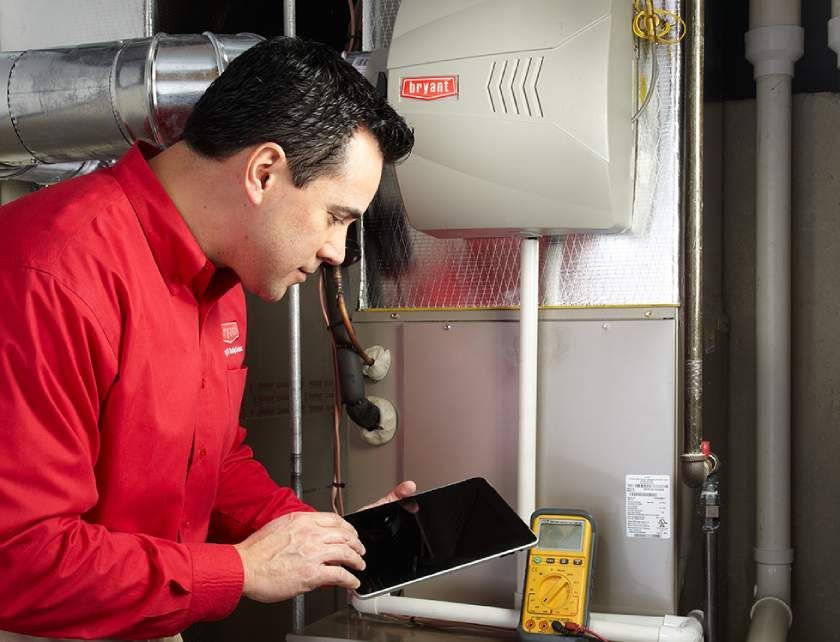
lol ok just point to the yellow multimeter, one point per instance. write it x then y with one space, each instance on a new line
558 575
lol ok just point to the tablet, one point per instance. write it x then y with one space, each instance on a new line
435 532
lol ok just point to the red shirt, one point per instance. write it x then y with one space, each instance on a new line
121 352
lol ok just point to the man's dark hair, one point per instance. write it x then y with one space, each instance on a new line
301 95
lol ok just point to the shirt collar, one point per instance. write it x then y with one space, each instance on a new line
176 251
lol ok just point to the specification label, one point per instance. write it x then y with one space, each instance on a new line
648 506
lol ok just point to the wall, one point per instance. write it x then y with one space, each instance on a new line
815 237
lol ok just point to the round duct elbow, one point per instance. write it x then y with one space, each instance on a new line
95 101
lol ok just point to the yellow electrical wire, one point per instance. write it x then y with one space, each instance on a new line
656 25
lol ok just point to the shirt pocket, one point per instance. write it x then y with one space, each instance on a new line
235 389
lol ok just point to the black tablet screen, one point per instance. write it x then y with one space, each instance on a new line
433 532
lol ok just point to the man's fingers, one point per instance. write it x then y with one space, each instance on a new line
340 537
341 554
331 520
401 491
337 576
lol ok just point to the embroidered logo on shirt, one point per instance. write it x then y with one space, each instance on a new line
230 332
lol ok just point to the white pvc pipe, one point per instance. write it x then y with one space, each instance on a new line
773 535
834 29
529 285
616 628
773 44
529 309
768 13
770 621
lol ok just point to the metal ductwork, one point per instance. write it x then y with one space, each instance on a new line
47 174
75 104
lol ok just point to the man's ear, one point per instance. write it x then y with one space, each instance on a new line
265 169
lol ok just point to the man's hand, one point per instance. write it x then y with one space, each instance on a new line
299 552
401 491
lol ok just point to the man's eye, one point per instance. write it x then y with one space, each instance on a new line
335 220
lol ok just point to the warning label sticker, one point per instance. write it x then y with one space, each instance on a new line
648 506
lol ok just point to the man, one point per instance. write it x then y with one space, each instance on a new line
122 337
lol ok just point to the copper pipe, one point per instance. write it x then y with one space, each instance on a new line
694 469
345 317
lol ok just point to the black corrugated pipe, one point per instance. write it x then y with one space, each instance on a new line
349 355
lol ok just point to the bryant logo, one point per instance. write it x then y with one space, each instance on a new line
230 332
429 87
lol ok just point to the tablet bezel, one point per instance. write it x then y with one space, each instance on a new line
395 587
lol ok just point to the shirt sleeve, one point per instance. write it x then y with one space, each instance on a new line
247 498
63 576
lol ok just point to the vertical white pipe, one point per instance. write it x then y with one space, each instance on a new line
529 308
768 13
834 29
529 285
773 107
775 41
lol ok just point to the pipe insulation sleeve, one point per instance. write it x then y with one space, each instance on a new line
774 49
387 427
381 363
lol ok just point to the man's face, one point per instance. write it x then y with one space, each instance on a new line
293 230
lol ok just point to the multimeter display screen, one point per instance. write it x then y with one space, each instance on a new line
561 535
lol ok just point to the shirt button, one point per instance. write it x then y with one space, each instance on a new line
203 382
186 525
202 453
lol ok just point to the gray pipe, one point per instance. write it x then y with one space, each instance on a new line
93 102
149 18
773 44
693 461
299 605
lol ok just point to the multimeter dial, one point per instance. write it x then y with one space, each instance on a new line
554 593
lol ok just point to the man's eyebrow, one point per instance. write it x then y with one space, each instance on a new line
351 212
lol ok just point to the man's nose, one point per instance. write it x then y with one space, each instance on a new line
332 253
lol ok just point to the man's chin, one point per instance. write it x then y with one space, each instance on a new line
275 295
270 294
